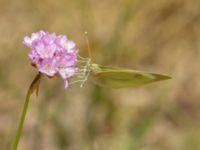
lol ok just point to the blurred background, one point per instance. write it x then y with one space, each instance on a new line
161 36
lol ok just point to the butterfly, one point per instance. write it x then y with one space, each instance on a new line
115 77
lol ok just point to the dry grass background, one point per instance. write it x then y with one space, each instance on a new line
159 35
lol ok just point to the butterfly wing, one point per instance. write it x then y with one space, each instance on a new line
119 77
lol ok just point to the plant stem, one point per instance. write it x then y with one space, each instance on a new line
34 86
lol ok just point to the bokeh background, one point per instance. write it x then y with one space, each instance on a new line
160 36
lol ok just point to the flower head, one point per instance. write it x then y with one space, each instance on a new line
52 54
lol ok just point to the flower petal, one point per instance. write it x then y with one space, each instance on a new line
66 83
66 72
52 54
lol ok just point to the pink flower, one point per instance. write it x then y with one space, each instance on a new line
52 54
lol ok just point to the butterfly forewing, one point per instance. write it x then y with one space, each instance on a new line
119 77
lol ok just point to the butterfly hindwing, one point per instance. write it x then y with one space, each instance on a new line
119 77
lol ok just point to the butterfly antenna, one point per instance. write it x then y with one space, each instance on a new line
88 44
82 73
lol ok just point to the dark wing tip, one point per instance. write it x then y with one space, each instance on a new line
160 77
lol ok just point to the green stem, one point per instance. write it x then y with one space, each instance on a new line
34 86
